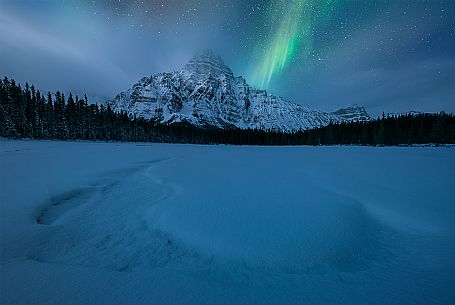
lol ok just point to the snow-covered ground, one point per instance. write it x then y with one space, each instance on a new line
111 223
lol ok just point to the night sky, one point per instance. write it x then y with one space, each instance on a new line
390 55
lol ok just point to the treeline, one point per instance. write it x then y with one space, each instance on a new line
26 113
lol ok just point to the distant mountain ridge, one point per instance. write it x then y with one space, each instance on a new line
353 113
206 93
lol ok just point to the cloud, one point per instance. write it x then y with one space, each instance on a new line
74 51
56 46
426 85
33 53
15 34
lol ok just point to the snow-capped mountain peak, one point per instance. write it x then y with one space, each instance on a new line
206 63
206 93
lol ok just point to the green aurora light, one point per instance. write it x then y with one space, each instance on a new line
292 28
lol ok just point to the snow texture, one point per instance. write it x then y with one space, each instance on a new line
110 223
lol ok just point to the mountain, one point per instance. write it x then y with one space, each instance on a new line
352 113
92 98
206 93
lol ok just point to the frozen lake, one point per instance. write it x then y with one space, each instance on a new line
111 223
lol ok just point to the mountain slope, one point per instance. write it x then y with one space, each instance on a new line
206 93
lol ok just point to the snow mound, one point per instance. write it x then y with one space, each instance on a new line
276 227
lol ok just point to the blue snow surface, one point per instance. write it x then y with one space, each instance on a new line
111 223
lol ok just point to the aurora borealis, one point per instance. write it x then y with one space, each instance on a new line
292 26
388 55
280 49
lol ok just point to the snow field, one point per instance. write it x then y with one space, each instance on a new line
182 224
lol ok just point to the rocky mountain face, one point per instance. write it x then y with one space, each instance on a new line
353 113
206 93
